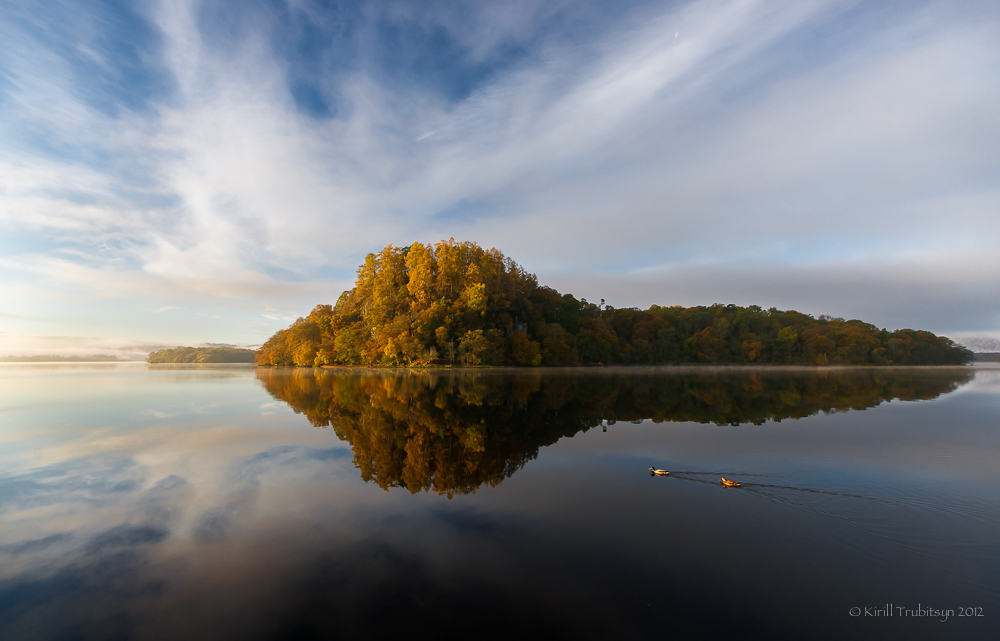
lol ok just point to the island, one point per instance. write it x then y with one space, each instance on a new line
456 303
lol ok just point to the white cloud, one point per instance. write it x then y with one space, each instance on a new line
730 153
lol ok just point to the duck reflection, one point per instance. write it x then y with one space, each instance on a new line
451 431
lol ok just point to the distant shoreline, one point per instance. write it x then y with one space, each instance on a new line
197 365
203 355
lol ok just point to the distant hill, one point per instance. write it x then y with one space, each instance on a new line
202 355
455 302
988 357
982 344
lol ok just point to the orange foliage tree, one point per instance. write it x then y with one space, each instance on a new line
456 302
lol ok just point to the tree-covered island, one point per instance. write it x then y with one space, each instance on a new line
455 302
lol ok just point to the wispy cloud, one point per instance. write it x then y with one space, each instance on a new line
232 156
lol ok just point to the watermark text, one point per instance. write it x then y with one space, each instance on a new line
891 611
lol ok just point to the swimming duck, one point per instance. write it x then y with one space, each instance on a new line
726 483
658 472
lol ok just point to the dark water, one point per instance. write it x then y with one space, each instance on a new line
234 503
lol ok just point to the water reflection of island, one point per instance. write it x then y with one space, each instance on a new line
452 431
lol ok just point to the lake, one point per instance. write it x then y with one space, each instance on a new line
145 502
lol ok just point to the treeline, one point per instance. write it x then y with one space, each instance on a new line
455 302
202 355
55 358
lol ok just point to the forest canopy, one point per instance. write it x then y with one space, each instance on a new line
455 302
202 355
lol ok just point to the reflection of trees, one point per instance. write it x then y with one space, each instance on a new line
452 431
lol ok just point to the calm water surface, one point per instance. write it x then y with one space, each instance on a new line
242 503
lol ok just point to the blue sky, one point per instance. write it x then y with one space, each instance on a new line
181 172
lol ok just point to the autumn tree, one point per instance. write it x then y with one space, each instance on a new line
456 302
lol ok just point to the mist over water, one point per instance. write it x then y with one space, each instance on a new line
145 503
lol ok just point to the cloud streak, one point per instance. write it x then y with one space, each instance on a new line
244 162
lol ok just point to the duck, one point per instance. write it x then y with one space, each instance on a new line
658 472
726 483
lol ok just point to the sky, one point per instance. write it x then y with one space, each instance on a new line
184 172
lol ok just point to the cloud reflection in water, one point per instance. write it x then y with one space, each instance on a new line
243 526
